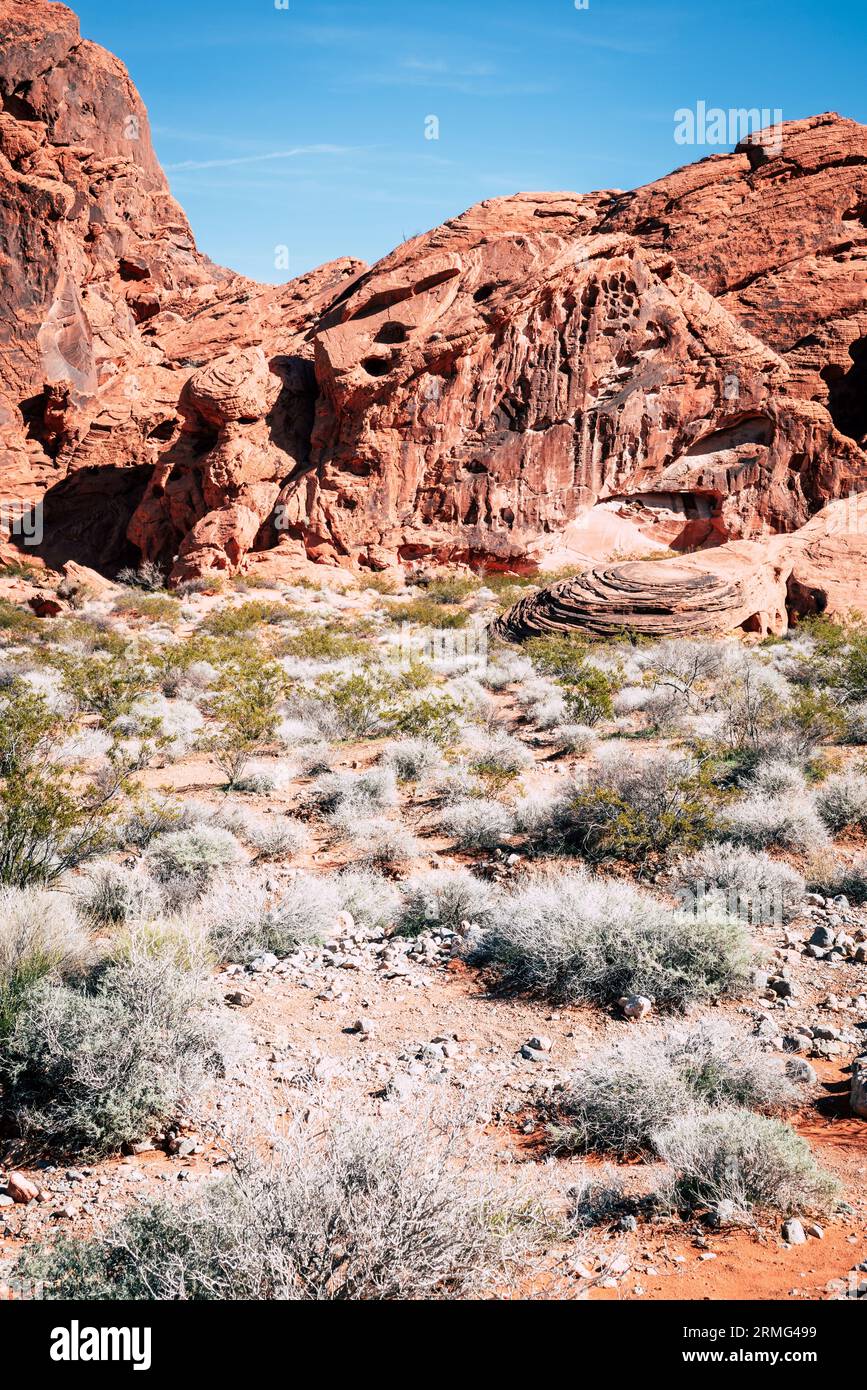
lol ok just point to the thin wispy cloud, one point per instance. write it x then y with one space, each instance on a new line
468 79
186 165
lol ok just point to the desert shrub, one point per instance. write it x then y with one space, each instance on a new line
547 712
17 622
840 657
453 783
624 1093
597 1197
841 801
497 758
617 1099
574 738
28 726
686 670
175 724
50 823
51 818
357 702
832 877
722 1066
379 583
184 665
41 937
587 690
372 899
635 807
104 685
412 758
112 895
814 716
536 813
856 723
187 860
754 1161
150 817
572 936
87 1068
245 706
477 823
426 612
557 656
444 898
448 588
147 576
750 885
245 918
245 618
776 777
325 644
760 821
351 793
157 608
434 718
377 841
276 837
406 1217
261 779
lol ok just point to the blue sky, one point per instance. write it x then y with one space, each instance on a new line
304 127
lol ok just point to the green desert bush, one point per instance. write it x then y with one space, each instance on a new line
244 619
587 690
433 718
754 1161
570 936
106 685
639 807
426 612
51 817
245 706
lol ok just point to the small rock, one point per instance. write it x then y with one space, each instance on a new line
540 1044
793 1232
822 936
636 1006
239 999
21 1189
797 1069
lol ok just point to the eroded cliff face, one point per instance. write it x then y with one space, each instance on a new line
107 310
546 378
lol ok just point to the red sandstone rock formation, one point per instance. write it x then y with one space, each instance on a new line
544 378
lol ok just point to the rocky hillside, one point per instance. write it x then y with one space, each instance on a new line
548 379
